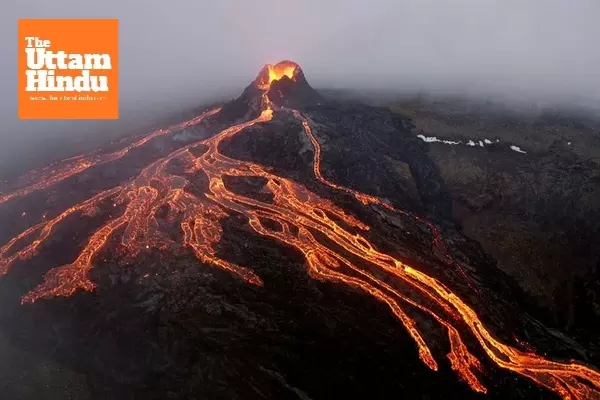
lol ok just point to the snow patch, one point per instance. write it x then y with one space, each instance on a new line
432 139
471 143
517 149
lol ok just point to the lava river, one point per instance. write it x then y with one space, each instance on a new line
302 219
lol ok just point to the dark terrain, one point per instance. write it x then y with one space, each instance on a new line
537 214
523 227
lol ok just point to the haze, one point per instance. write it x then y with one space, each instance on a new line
182 53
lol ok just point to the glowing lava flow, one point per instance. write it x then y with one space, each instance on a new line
299 215
366 199
57 172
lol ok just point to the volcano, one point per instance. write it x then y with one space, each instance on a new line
279 85
256 257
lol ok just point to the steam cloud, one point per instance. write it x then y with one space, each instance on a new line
180 54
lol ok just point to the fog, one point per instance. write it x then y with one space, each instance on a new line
182 53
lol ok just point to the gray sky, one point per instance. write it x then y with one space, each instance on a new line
534 50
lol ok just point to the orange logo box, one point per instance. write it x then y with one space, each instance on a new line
68 69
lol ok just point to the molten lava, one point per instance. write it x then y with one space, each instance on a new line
275 72
58 172
278 71
300 214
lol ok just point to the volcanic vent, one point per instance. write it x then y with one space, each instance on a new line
282 85
178 205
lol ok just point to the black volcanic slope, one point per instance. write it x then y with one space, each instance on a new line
165 314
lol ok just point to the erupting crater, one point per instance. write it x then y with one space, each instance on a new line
271 73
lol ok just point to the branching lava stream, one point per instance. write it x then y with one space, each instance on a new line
300 214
